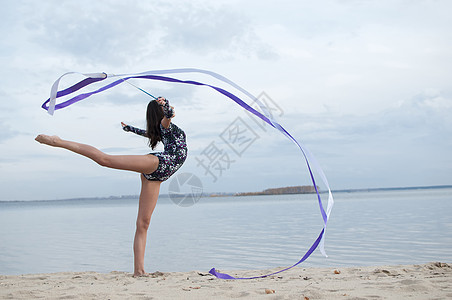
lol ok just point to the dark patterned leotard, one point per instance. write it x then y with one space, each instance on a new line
173 155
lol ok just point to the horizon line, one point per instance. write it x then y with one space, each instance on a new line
111 197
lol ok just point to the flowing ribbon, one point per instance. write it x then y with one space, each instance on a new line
311 163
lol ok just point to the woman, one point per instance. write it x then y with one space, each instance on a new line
154 168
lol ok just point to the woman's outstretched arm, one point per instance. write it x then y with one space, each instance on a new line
135 130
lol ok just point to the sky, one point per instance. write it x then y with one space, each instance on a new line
364 85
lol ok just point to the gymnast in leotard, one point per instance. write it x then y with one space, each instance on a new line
154 167
173 139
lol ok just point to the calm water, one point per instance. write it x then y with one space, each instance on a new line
366 228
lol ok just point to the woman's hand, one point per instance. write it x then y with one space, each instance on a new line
168 111
125 127
161 101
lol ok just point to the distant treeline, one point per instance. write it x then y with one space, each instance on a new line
302 189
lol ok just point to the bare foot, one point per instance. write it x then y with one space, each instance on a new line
141 275
48 140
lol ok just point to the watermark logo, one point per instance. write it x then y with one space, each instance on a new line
214 161
185 189
238 136
270 107
221 153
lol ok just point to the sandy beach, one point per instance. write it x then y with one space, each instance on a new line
428 281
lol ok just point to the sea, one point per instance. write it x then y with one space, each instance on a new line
366 228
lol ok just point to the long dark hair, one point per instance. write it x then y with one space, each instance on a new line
154 116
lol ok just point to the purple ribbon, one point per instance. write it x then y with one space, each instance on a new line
47 105
307 254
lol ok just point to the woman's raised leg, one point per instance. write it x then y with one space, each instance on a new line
148 199
139 163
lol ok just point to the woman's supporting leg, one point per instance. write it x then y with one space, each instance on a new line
148 199
139 163
149 189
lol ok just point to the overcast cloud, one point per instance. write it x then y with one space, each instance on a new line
365 85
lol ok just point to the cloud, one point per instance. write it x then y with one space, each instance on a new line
6 132
89 31
202 29
213 31
133 31
424 115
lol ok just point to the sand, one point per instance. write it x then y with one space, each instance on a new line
428 281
